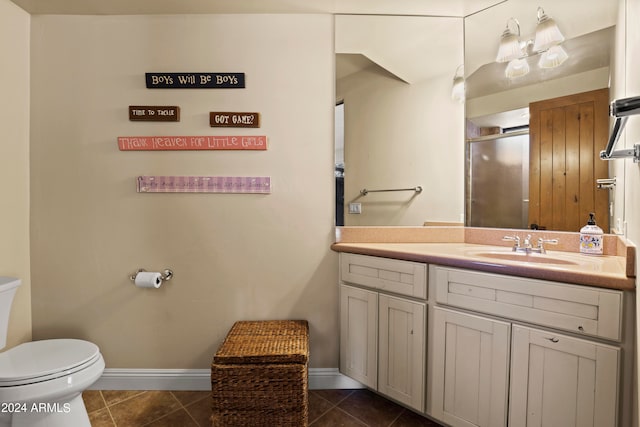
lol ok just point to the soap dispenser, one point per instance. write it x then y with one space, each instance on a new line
591 237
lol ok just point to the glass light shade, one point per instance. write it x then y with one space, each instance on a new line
547 33
553 57
458 89
517 68
509 48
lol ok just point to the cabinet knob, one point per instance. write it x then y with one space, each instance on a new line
580 328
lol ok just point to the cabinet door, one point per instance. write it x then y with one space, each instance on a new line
470 369
401 373
358 334
558 380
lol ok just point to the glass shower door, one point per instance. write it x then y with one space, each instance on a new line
499 181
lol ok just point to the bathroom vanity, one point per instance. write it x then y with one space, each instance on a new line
472 334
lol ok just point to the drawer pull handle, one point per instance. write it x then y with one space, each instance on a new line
553 340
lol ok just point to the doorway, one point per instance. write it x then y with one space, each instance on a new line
339 163
566 137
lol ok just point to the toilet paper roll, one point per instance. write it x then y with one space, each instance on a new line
148 279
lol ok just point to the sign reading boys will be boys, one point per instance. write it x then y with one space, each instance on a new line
194 80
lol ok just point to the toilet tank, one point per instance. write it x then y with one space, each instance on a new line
8 287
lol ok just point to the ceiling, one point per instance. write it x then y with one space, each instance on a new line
386 55
452 8
411 48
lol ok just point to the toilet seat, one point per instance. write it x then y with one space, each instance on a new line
45 360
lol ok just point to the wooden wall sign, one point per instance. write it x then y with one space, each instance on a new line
175 143
194 80
204 184
145 113
234 120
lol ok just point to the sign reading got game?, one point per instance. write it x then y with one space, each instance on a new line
195 80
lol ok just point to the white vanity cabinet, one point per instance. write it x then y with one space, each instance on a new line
555 379
383 326
583 310
484 349
470 369
359 335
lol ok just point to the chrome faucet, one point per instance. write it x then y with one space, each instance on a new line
527 247
516 243
540 248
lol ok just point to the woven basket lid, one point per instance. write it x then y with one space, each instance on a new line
265 341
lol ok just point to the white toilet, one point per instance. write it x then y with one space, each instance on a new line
41 382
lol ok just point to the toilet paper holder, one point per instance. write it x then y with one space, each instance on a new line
166 274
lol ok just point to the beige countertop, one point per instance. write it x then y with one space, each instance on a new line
616 270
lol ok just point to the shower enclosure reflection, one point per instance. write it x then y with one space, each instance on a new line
499 167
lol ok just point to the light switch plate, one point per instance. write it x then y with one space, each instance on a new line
355 208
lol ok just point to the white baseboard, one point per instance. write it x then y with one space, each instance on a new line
200 379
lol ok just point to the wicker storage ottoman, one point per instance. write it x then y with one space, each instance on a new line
259 375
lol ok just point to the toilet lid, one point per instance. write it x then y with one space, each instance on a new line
43 360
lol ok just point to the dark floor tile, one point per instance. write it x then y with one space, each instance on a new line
373 410
101 418
317 406
188 397
93 400
179 418
333 396
112 397
327 408
201 411
411 419
144 408
336 418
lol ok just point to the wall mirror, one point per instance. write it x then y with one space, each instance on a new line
422 144
402 130
544 176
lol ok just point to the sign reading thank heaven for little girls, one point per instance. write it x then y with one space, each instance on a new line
163 143
195 80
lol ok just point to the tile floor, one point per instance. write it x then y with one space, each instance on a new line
327 408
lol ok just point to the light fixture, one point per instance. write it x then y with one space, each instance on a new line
510 47
458 89
553 57
546 43
517 68
547 33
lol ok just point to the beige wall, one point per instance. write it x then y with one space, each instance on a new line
14 172
400 135
234 256
521 97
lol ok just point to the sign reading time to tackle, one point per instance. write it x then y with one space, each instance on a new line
146 113
195 80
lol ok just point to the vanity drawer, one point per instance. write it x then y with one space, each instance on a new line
397 276
580 309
